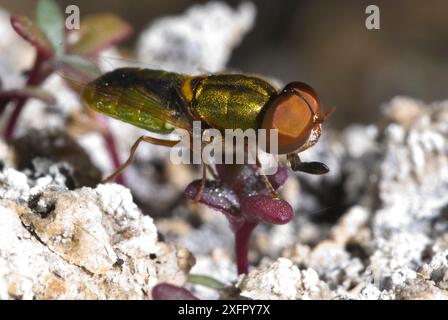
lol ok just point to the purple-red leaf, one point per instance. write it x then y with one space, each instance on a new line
166 291
267 209
216 196
31 33
99 32
241 193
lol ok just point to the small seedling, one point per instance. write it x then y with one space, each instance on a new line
242 196
54 52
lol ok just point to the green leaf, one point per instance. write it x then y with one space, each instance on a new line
206 281
50 19
33 34
99 32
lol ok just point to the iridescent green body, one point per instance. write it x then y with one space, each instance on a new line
231 101
158 101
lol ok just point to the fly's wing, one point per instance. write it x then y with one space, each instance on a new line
77 71
145 98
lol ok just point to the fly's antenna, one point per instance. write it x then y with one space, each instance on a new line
329 112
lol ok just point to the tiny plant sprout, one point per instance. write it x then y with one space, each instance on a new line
242 196
55 53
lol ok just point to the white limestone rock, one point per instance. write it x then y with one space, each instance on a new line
282 280
200 40
81 244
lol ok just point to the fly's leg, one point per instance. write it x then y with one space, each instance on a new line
271 189
198 195
212 171
205 166
123 166
307 167
266 181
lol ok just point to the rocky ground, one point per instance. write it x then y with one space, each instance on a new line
375 227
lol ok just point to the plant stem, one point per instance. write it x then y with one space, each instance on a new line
242 239
112 149
3 104
35 78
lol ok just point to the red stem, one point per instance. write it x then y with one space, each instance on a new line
3 104
112 149
242 239
36 77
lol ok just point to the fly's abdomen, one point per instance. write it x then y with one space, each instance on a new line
231 101
145 98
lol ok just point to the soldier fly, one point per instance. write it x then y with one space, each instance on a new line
161 101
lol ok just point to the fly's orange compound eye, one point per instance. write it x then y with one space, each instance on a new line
292 117
295 112
307 93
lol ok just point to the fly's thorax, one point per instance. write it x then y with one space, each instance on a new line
229 101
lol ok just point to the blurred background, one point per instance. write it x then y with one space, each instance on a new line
326 44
